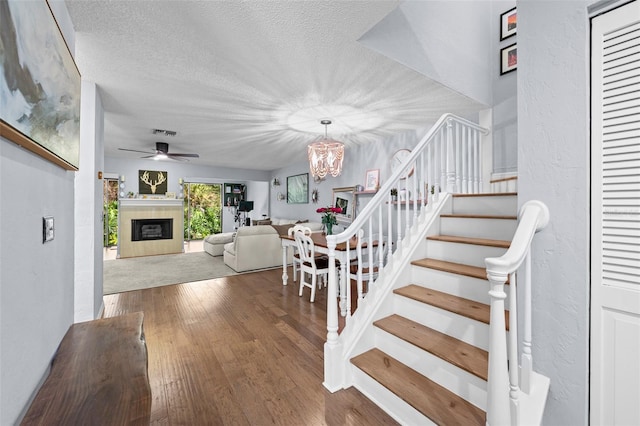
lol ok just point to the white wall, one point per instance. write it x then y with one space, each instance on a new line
447 41
36 279
357 161
553 166
194 173
175 169
457 43
504 128
88 208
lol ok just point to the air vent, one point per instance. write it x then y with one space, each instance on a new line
163 132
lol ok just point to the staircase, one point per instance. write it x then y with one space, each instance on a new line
435 338
430 359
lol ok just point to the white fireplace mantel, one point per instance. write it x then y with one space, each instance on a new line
150 208
150 202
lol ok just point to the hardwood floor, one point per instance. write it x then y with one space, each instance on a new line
240 350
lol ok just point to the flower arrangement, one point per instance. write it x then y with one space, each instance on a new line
329 217
329 214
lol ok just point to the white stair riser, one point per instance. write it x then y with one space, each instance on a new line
458 381
468 254
462 328
387 400
490 205
455 284
496 229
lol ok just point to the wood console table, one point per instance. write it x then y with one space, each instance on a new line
98 377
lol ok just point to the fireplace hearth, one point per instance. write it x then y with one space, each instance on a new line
151 229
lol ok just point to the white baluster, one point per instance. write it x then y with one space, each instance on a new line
464 154
370 260
451 160
415 190
476 160
480 171
514 386
345 287
359 237
390 226
469 143
399 221
458 158
527 357
382 241
443 156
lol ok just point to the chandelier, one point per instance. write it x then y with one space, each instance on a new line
325 156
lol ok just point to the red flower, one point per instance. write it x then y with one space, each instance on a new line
329 209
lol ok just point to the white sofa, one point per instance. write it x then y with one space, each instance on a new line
214 243
260 247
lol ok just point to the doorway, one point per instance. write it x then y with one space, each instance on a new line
110 213
615 217
202 212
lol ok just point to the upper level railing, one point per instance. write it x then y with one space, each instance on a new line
449 159
504 383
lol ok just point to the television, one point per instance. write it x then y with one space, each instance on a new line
245 206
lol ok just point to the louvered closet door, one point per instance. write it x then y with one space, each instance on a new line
615 217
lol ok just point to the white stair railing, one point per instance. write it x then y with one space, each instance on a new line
448 157
507 376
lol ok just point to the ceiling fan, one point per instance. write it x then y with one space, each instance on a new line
162 153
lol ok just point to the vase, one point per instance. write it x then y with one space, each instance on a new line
329 228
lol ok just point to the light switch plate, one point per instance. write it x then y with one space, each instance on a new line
47 229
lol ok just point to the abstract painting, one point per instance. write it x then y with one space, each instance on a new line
39 83
298 189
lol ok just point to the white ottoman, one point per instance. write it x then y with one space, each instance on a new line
214 243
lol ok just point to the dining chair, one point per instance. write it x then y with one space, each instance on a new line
365 267
310 264
296 257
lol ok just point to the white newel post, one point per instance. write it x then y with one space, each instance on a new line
498 401
333 367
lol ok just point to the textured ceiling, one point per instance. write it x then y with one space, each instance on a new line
246 83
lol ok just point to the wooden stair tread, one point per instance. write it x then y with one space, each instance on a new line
479 216
461 354
458 305
452 267
471 240
434 401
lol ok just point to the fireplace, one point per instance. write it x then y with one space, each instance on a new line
151 229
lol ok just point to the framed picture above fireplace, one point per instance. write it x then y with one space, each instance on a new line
152 182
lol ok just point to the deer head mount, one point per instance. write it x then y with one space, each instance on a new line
161 178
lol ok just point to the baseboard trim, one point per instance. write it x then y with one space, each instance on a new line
101 310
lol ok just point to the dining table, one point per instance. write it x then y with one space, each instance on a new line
343 253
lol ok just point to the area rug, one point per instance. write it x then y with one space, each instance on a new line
153 271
